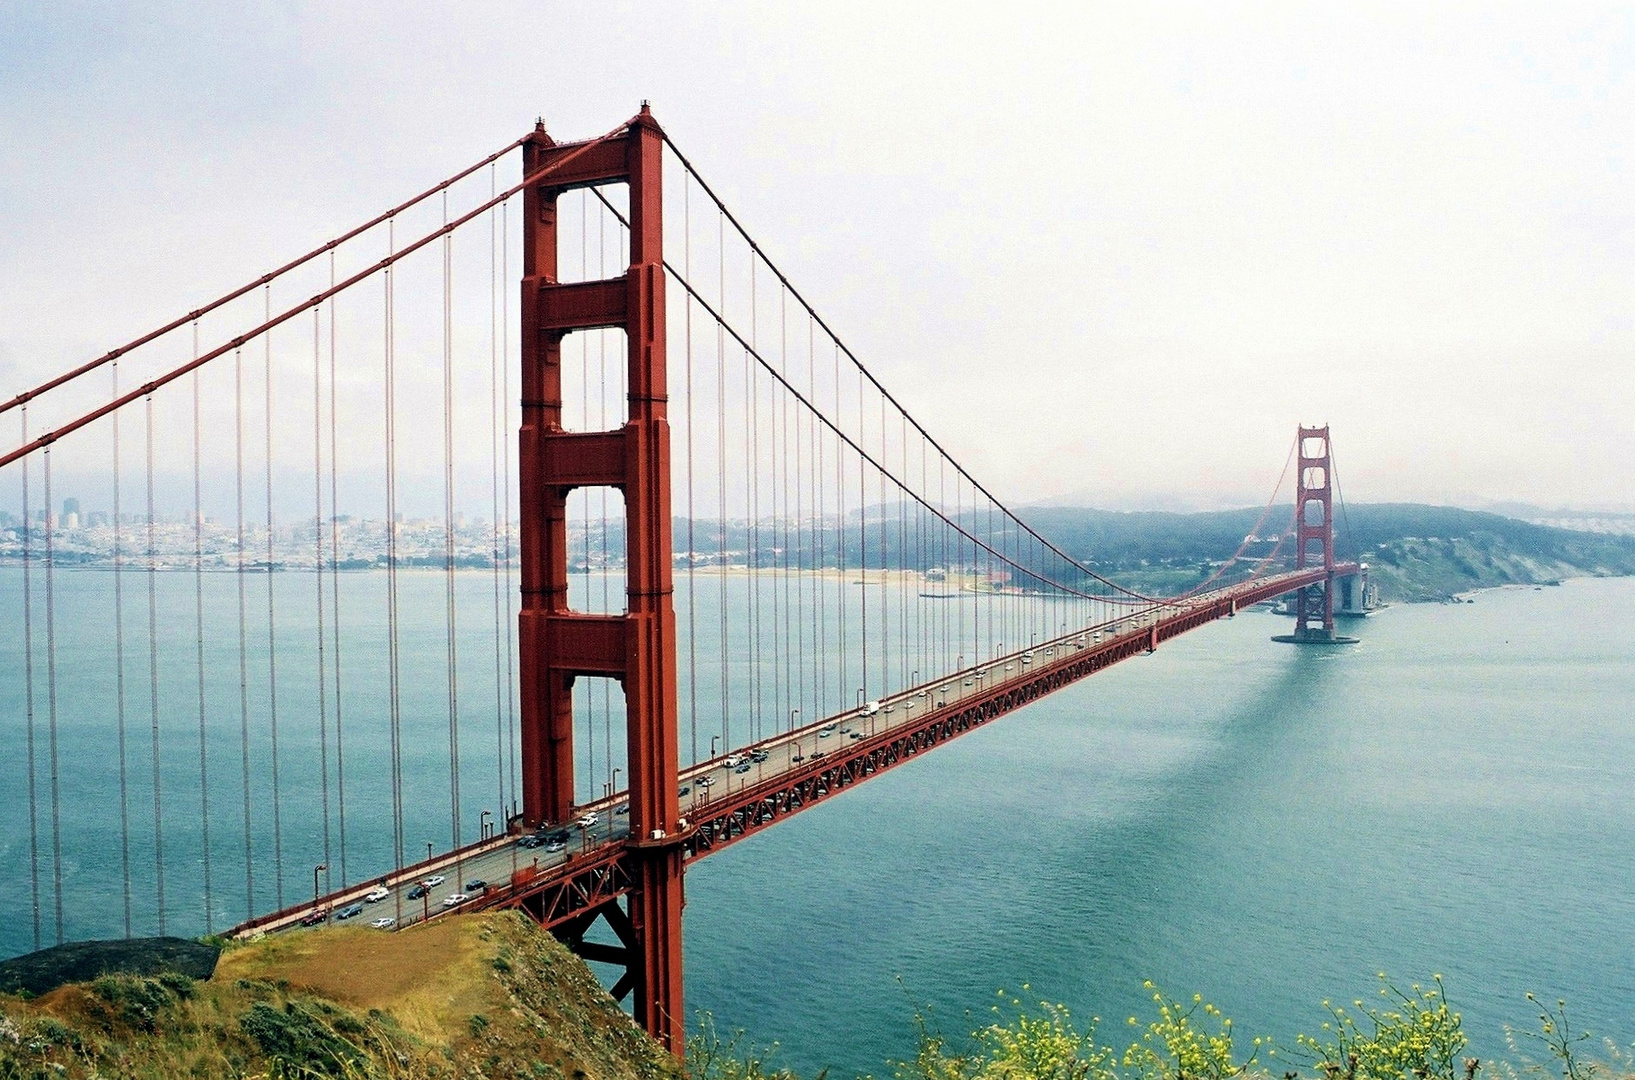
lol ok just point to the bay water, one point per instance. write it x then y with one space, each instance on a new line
1267 825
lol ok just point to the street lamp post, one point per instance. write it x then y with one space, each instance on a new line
315 870
428 851
482 823
713 740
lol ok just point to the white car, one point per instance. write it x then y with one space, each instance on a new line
384 923
588 820
455 899
376 895
554 846
436 880
704 781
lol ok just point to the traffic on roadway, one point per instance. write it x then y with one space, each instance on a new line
454 881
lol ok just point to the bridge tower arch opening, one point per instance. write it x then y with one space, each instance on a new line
1314 540
638 647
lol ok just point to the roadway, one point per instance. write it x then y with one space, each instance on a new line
498 860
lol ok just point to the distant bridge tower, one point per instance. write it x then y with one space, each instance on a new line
1314 531
559 645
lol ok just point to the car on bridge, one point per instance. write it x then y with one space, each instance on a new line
384 923
376 895
420 889
455 899
435 880
349 911
313 918
475 886
555 846
588 820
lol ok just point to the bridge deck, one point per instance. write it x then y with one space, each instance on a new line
722 804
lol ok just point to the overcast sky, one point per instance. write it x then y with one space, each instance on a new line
1110 252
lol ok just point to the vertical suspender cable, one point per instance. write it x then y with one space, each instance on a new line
840 512
119 675
394 698
793 654
198 643
787 639
752 480
801 560
448 533
272 616
885 571
721 474
243 636
505 465
819 603
28 691
601 424
335 578
863 535
318 567
494 487
692 542
584 495
51 695
153 684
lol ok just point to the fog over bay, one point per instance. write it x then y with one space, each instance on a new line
1137 245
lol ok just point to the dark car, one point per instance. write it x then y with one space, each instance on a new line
559 836
315 917
419 891
531 842
622 808
685 790
758 756
742 768
349 911
475 886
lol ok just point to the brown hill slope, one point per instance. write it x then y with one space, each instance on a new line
487 996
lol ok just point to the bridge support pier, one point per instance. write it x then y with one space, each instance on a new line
1314 533
639 647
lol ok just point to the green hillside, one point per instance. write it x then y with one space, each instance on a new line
1414 552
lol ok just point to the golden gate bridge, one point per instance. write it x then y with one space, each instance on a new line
716 544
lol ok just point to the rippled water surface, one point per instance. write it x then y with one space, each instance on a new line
1263 824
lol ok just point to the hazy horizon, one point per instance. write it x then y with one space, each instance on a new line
1143 245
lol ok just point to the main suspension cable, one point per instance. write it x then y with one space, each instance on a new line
249 287
756 248
270 322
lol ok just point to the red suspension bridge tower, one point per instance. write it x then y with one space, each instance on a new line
559 645
1314 533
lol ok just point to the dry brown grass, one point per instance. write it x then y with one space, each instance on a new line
481 996
430 977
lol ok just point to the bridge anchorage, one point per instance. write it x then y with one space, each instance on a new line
1314 535
861 596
